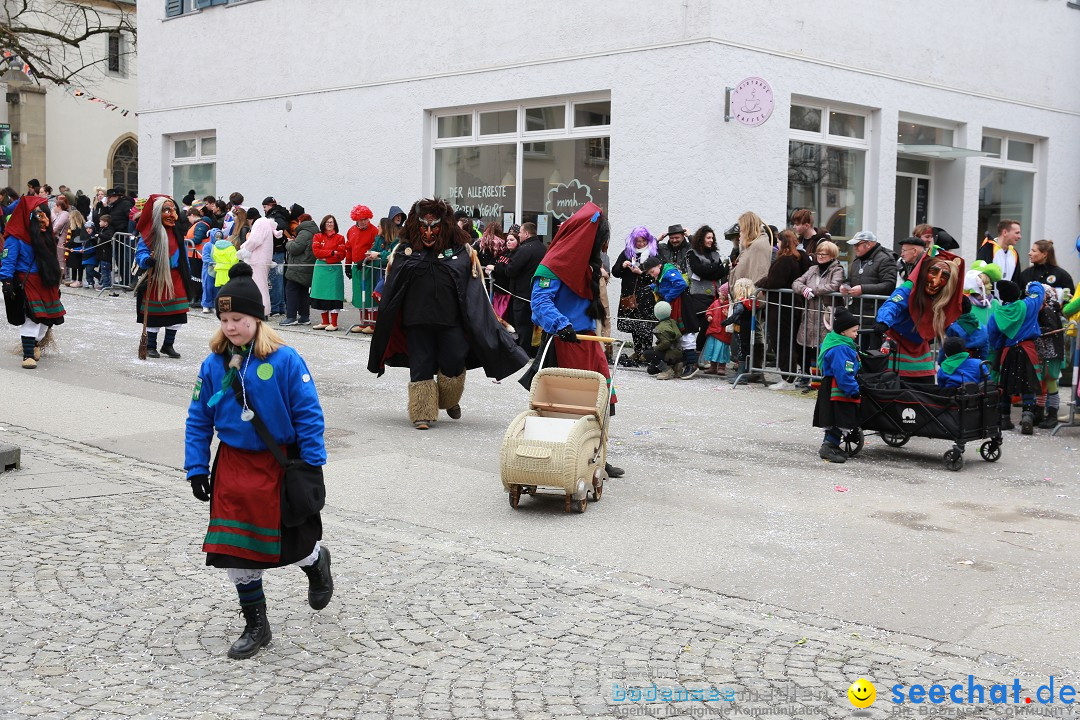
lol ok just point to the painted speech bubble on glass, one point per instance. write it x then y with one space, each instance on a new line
565 199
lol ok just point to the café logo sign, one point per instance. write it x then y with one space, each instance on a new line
566 199
751 101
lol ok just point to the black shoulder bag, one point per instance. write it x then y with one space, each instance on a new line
303 492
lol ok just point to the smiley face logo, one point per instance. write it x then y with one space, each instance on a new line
862 693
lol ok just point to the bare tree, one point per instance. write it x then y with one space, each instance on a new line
55 39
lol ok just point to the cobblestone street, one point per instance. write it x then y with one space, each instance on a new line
450 605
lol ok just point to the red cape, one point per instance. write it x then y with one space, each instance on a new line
570 250
145 224
925 324
19 224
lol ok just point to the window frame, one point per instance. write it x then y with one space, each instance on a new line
530 143
822 137
198 158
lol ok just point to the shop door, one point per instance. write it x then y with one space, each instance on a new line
912 205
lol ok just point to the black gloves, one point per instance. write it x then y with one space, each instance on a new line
348 271
150 262
200 487
881 328
856 396
567 334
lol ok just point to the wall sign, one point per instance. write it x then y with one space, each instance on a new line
565 199
5 145
750 102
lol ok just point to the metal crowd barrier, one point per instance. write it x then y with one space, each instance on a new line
124 268
771 344
1072 351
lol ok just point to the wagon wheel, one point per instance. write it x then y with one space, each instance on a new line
515 495
954 460
990 451
580 505
853 442
598 489
894 440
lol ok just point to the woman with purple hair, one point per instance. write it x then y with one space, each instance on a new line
636 297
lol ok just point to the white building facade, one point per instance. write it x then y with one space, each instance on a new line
79 135
882 115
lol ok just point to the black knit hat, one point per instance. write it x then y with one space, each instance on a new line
953 345
1007 290
240 294
843 320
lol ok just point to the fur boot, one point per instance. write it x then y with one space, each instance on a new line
450 389
423 403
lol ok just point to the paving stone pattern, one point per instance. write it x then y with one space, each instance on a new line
108 611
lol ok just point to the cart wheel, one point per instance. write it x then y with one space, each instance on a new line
515 496
853 442
598 489
990 451
581 504
954 460
894 440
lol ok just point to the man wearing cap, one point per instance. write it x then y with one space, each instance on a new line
675 250
280 216
873 272
911 251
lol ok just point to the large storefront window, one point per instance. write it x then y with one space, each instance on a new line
478 177
549 158
1007 185
194 164
827 165
829 181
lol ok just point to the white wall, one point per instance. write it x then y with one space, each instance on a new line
356 128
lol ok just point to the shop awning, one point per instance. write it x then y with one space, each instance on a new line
941 152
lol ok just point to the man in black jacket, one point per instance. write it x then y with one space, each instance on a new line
280 216
520 269
118 208
872 273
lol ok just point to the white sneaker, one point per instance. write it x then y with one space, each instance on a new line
206 311
782 386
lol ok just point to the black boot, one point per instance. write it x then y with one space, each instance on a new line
1038 413
256 632
1006 420
320 582
151 345
832 453
612 471
167 346
1027 422
1051 420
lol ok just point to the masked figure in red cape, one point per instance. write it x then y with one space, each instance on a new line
161 255
566 299
30 274
921 309
435 317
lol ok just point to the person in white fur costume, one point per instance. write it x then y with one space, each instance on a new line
258 252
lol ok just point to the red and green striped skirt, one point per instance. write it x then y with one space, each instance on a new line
42 301
913 359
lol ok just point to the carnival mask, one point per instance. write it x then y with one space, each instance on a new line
168 215
430 229
937 277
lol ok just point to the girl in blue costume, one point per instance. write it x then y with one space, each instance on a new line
1012 329
30 274
250 370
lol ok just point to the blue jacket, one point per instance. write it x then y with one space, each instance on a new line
18 257
142 254
671 283
894 313
554 306
281 391
1029 327
841 362
977 343
971 370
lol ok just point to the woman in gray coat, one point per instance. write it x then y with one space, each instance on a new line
816 285
298 272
